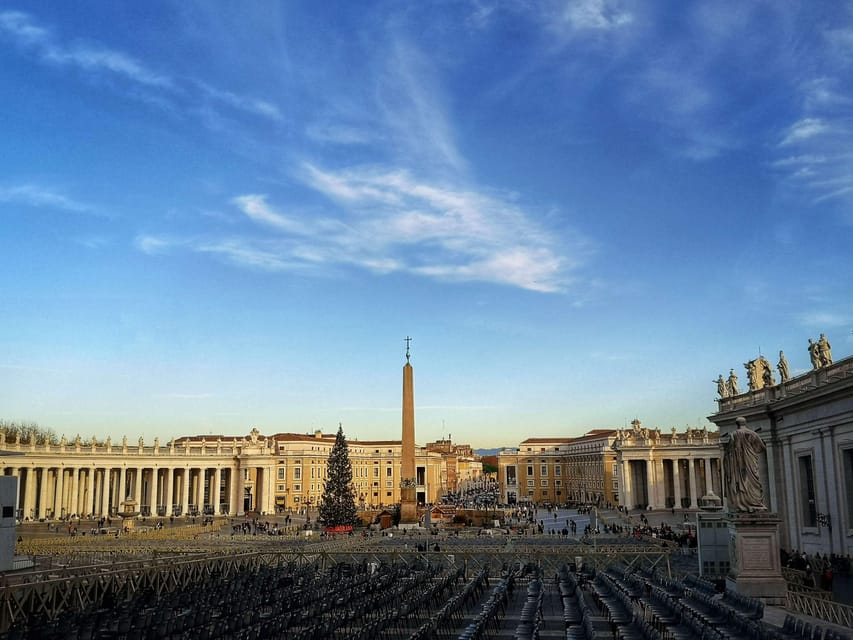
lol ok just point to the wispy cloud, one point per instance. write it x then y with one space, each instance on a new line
248 104
152 245
827 319
245 252
412 104
388 221
37 196
22 29
597 15
154 87
256 208
803 130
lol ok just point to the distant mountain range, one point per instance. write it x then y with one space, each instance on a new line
488 452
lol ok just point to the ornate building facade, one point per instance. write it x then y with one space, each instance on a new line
634 468
660 470
806 424
559 470
213 474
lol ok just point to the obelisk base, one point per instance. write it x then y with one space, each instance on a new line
756 568
408 506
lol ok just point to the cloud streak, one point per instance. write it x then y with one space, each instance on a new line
162 89
385 221
36 196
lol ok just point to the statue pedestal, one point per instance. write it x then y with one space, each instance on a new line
756 569
408 506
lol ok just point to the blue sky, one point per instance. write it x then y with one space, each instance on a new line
217 216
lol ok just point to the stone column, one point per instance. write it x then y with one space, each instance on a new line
154 491
239 490
170 491
691 466
74 498
91 500
30 493
122 488
16 473
709 480
185 491
269 473
662 488
214 490
58 502
628 487
233 487
105 491
42 503
676 483
137 486
202 476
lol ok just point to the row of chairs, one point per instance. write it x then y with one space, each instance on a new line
799 629
531 611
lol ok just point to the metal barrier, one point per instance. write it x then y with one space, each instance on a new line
71 587
808 604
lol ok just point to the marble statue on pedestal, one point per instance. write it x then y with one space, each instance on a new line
824 351
784 372
740 463
752 374
733 389
722 388
814 354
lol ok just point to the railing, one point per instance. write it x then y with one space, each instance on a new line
210 449
808 604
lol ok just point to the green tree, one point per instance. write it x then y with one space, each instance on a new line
337 506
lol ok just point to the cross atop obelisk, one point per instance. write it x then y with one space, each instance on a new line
408 341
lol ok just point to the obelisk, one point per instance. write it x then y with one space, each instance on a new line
408 482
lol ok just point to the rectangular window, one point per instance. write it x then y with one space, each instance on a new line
529 470
281 471
847 465
389 472
245 474
389 484
543 470
543 483
807 493
297 473
558 483
375 472
531 482
280 487
558 471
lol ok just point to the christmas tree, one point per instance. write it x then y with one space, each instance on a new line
337 507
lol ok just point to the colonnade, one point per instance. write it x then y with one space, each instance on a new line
61 491
670 482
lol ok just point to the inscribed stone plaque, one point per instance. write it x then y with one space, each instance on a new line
755 554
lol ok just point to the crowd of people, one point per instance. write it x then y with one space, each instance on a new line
818 571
